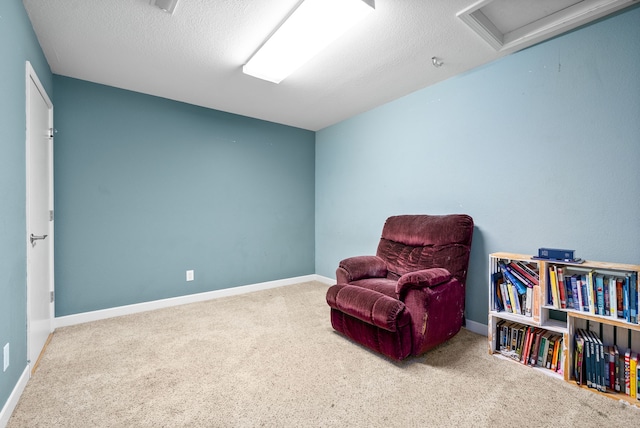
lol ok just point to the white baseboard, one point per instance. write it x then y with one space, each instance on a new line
325 280
476 327
13 399
84 317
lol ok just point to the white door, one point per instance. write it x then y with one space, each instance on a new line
39 153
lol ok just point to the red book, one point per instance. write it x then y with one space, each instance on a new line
527 345
561 289
530 278
533 360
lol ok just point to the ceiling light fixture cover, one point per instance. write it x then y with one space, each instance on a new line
309 29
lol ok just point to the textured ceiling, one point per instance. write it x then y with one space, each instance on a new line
196 54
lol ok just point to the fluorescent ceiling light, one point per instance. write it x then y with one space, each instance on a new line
309 29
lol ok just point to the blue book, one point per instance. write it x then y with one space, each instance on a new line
599 294
584 288
520 287
633 298
625 298
497 301
570 296
576 293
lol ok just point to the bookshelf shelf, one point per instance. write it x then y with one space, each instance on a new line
605 319
535 303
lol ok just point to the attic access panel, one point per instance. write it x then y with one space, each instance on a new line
511 25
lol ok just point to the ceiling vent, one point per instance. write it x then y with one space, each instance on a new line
511 25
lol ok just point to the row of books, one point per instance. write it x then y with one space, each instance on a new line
610 295
513 287
532 346
605 367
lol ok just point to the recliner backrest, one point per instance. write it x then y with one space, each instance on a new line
415 242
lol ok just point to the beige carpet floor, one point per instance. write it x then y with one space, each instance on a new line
271 359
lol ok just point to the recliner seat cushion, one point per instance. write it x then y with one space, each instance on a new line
381 285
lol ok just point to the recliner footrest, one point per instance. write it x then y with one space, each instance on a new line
366 305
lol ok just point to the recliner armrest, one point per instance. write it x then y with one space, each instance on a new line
422 278
355 268
367 305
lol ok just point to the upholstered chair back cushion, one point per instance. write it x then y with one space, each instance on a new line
411 243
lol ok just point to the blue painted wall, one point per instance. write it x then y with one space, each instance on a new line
18 44
146 188
541 148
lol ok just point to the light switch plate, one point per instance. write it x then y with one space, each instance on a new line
5 353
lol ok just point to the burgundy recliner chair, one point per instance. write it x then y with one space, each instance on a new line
409 297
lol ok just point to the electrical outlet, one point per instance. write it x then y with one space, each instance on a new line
190 275
5 358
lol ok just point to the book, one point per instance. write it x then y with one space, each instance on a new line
513 296
561 358
520 287
535 347
593 360
531 269
536 305
614 381
592 296
627 372
584 291
588 357
599 284
613 299
607 372
548 360
557 350
620 370
517 272
543 351
561 287
602 372
522 332
503 335
633 298
498 301
505 297
578 357
619 298
528 271
526 348
514 338
638 379
528 310
576 293
605 292
625 299
553 285
633 378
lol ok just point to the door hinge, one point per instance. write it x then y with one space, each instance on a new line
52 296
50 215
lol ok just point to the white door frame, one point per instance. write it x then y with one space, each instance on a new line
31 76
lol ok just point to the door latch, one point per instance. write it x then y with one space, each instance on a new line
34 238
